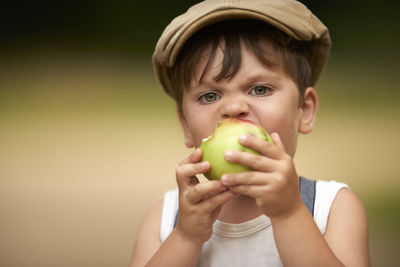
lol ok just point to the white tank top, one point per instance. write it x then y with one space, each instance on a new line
249 243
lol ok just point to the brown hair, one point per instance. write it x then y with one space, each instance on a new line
296 56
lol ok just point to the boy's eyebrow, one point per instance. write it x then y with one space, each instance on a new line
251 79
263 76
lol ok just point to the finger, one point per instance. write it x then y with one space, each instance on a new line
262 146
186 172
193 158
204 190
277 141
244 178
255 162
254 191
217 200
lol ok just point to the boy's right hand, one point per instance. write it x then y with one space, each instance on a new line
199 203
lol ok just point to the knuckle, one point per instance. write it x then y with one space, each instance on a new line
283 166
241 189
276 179
287 158
267 146
191 211
192 157
244 178
179 171
257 163
252 176
213 201
189 196
195 190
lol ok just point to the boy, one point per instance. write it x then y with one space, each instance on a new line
256 60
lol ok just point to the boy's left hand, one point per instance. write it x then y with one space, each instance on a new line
273 183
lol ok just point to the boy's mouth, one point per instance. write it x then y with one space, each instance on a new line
239 120
249 121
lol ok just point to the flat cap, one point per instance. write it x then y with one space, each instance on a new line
290 16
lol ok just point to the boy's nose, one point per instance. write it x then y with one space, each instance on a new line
234 108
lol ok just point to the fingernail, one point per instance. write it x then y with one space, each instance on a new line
204 164
228 154
224 179
243 137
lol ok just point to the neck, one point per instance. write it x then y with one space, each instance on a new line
239 209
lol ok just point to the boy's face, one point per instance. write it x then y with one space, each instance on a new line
262 94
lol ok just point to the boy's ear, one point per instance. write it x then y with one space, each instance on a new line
188 137
309 109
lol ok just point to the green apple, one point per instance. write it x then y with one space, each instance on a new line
226 137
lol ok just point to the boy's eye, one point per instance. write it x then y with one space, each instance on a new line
260 90
208 98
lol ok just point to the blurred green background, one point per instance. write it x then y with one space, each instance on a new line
88 140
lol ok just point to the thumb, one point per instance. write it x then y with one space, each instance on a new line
277 140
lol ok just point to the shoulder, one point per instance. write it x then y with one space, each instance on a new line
347 228
336 197
347 208
157 224
148 235
335 202
325 195
150 225
164 207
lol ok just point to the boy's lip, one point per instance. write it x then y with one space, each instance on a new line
242 120
237 119
249 121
